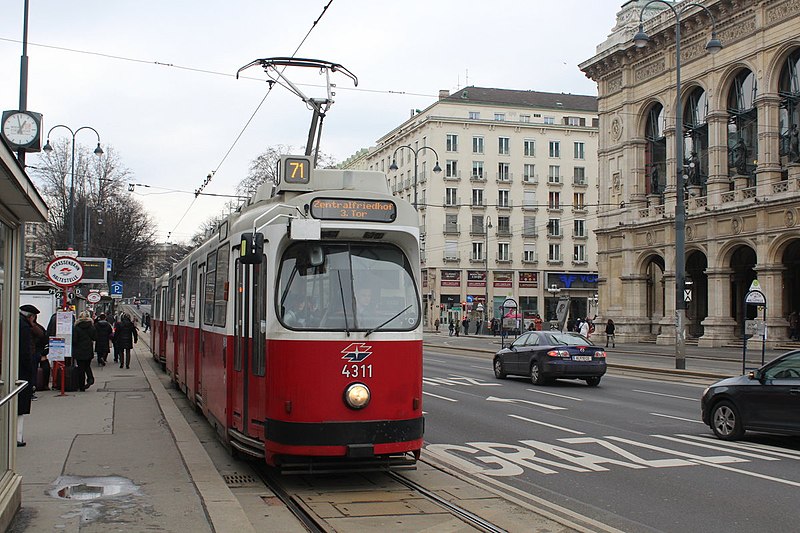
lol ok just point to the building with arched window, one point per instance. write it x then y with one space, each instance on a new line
741 168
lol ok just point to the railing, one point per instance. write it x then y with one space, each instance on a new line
504 177
504 232
530 234
579 182
531 180
451 204
579 235
477 230
451 229
452 256
507 205
20 385
554 260
526 207
529 259
504 258
452 176
477 177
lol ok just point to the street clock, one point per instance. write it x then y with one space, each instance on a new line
22 130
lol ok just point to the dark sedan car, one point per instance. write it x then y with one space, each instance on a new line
547 355
767 400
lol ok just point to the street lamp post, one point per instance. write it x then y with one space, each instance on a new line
713 46
97 151
436 167
486 272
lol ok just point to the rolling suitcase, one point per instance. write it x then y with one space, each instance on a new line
70 379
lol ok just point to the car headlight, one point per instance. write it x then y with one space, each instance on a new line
356 395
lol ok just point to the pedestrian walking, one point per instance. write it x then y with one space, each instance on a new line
610 329
465 324
40 349
478 324
146 322
452 328
83 337
27 316
585 328
125 336
458 327
104 333
435 324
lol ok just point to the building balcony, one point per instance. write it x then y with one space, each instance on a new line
477 260
451 257
530 180
504 258
553 209
556 236
580 181
530 234
451 229
447 203
503 232
477 177
554 182
530 260
555 260
580 262
579 209
477 230
504 177
478 206
505 206
456 176
532 208
580 236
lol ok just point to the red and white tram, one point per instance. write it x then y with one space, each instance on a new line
297 328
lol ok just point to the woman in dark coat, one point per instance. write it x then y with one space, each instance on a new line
125 335
27 315
83 337
104 333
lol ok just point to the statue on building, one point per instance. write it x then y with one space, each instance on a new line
794 145
739 157
654 180
695 172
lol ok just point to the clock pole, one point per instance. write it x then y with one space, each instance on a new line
23 76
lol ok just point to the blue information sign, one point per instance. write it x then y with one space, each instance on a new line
116 288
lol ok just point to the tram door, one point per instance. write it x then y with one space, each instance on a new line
162 331
242 346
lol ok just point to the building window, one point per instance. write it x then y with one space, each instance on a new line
554 174
529 200
529 227
549 120
500 116
450 197
477 170
529 173
451 168
477 251
524 118
477 145
580 150
579 201
451 223
554 200
579 253
579 228
503 251
575 121
554 252
504 171
504 225
529 147
554 227
555 148
579 176
474 115
477 224
503 145
529 253
452 142
502 198
451 250
477 197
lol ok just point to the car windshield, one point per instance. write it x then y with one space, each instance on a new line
348 287
568 339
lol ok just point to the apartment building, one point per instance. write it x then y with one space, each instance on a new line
505 182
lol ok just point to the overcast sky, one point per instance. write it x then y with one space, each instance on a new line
156 77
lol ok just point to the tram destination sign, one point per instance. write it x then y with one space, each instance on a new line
348 209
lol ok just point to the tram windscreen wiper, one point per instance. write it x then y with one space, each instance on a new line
344 305
395 316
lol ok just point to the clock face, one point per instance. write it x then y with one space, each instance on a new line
20 129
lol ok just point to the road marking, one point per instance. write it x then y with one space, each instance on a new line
716 459
678 418
429 360
459 380
440 397
667 395
554 394
751 474
717 448
511 400
751 446
547 425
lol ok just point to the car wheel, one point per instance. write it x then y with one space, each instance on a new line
498 369
593 381
536 373
726 422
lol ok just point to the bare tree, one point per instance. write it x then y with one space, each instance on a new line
264 167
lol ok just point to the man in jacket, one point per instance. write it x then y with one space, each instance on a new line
27 316
125 335
83 337
104 333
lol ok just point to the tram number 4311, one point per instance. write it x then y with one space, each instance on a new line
357 371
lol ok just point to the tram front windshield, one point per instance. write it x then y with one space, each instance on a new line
347 287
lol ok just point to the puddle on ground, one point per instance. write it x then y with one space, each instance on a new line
91 488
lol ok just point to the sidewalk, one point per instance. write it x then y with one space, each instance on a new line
124 459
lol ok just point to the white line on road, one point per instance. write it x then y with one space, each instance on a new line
747 473
512 400
440 397
750 446
547 425
667 395
678 418
429 360
718 448
554 394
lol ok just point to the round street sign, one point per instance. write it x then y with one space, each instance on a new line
93 297
64 271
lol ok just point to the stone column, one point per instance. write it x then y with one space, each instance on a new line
667 334
718 326
768 170
771 279
718 180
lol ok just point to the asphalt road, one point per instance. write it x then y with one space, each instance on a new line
631 454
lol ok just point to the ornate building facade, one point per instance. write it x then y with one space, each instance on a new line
741 172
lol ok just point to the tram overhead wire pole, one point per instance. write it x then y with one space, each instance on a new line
416 151
713 46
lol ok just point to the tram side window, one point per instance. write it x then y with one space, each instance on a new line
221 285
182 296
193 293
157 305
171 308
208 299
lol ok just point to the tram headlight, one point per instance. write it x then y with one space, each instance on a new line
356 395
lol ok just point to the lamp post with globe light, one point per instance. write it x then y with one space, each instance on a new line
436 167
713 46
